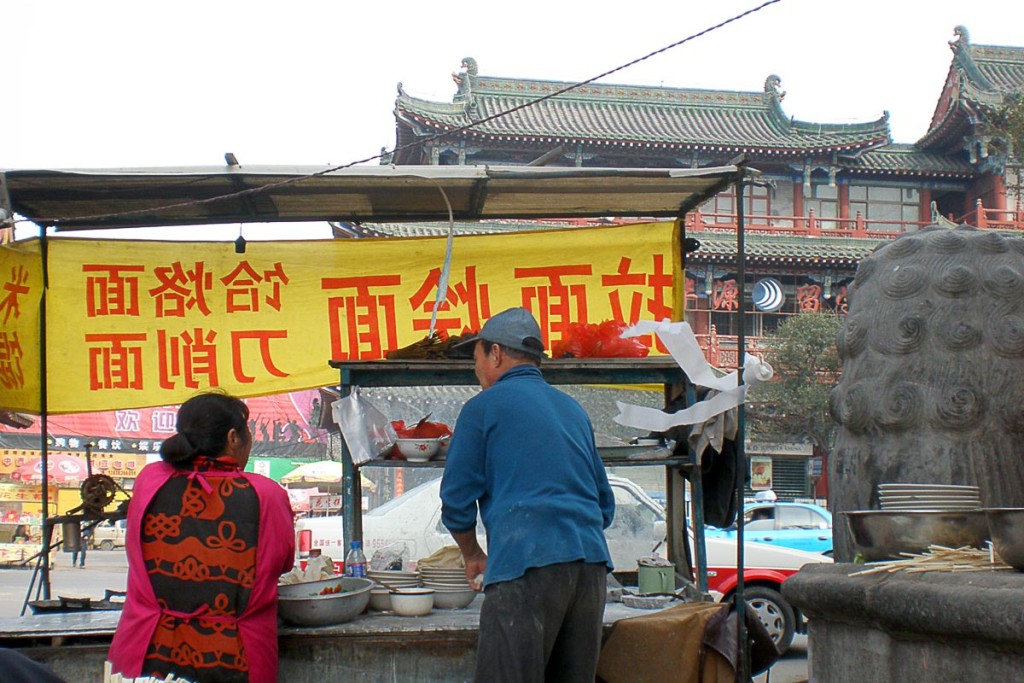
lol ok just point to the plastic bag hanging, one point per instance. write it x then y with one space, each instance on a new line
368 432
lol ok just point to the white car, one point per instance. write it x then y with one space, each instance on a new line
410 527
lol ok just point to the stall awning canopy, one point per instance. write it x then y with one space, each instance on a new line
143 197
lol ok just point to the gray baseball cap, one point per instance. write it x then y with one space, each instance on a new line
515 328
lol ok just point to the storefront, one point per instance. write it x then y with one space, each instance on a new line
20 528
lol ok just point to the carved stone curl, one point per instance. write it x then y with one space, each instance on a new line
933 376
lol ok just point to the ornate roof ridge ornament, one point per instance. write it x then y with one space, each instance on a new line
773 86
465 80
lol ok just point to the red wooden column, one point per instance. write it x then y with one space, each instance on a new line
798 205
924 206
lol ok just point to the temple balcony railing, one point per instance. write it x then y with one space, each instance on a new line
810 225
721 350
993 219
857 226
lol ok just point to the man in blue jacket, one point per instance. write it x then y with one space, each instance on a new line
523 454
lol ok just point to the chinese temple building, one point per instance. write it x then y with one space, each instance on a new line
826 196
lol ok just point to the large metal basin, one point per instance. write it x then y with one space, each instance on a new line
884 534
1006 526
301 603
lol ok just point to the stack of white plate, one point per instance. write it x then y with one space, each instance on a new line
394 579
930 497
445 579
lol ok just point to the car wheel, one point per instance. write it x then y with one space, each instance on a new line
106 545
775 613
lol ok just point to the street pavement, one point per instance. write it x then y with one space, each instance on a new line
103 570
791 668
109 570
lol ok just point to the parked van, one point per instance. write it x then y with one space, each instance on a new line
410 526
109 535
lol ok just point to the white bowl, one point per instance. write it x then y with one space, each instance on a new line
453 599
412 602
418 450
380 599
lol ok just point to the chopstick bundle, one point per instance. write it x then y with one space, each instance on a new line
939 559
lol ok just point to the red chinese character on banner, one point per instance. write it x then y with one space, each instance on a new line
13 289
724 296
262 337
809 298
472 299
245 284
649 292
115 361
556 304
640 295
114 290
181 290
842 300
11 354
362 321
187 356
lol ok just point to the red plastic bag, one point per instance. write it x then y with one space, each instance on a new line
423 430
613 345
589 340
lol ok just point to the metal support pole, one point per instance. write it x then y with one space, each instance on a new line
43 403
351 486
743 654
695 474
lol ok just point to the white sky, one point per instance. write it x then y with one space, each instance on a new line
125 84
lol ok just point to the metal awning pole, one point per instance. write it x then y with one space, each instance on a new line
43 425
743 654
696 476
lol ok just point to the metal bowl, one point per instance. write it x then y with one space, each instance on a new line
1006 525
884 534
303 605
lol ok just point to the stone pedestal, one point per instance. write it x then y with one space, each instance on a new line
940 627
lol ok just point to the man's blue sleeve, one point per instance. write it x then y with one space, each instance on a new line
464 481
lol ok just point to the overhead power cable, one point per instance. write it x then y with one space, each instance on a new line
290 181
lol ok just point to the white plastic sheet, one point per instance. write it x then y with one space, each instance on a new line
682 344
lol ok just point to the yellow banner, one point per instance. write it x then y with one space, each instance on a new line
21 493
21 291
143 323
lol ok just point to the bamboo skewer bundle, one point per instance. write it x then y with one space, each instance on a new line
939 558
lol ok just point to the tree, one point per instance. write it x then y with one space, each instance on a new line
1007 123
1004 126
794 406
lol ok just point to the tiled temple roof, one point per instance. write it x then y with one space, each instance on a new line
783 251
716 247
902 159
652 118
980 77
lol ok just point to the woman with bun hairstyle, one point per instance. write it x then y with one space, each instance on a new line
206 544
